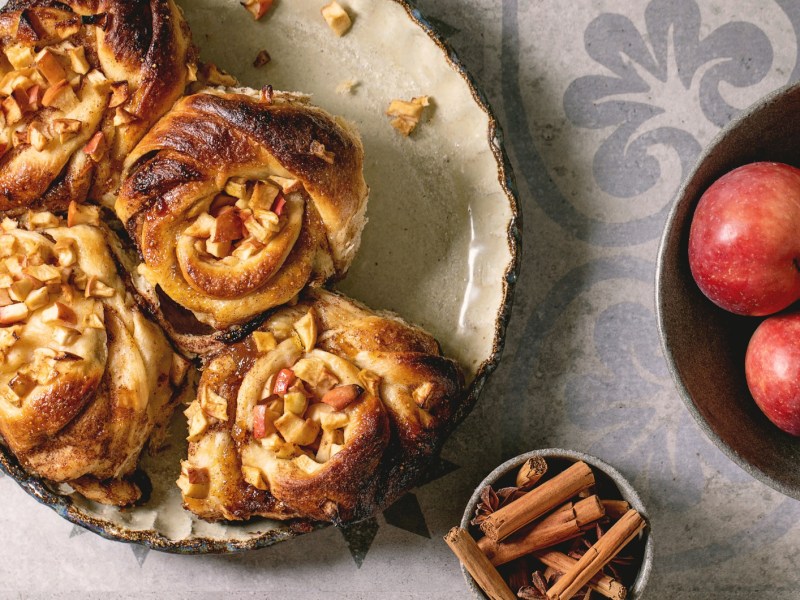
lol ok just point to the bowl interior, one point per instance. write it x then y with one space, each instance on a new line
611 485
705 345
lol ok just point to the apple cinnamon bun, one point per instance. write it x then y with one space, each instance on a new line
328 411
236 202
85 378
81 81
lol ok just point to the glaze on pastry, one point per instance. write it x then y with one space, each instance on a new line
328 411
84 376
81 81
236 202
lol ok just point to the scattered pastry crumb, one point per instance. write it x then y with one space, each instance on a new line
407 114
257 8
337 18
347 86
262 58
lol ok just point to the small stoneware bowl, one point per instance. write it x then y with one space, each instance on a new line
704 345
611 485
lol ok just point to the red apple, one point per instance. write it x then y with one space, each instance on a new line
744 243
772 368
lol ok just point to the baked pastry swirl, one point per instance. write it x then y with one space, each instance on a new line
328 411
237 201
81 81
84 376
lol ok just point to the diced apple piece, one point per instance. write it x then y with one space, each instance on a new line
97 289
295 402
317 410
44 273
36 299
218 249
421 393
264 194
13 313
38 137
195 482
60 96
214 405
262 422
297 430
7 245
49 66
342 396
253 476
236 187
123 117
337 18
198 424
306 328
96 146
247 248
120 93
66 128
257 8
35 94
65 336
82 214
12 110
19 290
93 321
406 114
201 228
284 379
20 56
327 441
334 420
64 249
264 341
227 226
286 184
59 314
21 384
5 298
21 137
307 464
43 220
78 62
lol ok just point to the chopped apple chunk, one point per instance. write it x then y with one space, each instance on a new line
214 405
264 340
13 313
306 328
336 18
253 476
296 430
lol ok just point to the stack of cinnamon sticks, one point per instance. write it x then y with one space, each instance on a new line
529 523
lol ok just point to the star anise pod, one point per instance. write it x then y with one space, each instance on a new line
537 591
493 500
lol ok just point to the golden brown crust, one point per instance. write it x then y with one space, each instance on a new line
409 396
137 49
84 376
213 144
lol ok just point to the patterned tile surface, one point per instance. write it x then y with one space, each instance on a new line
605 105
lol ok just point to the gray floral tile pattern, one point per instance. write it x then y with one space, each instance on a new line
605 105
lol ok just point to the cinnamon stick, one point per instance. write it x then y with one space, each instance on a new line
602 584
564 524
531 472
598 556
616 508
475 561
512 517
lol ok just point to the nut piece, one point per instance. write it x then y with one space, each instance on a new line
337 18
262 58
407 114
257 8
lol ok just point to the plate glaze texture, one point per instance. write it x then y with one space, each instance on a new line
704 345
441 247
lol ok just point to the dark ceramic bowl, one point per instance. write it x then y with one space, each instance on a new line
705 345
610 485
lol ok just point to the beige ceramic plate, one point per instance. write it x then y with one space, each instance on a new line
441 245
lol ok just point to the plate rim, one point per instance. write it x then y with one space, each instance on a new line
154 540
